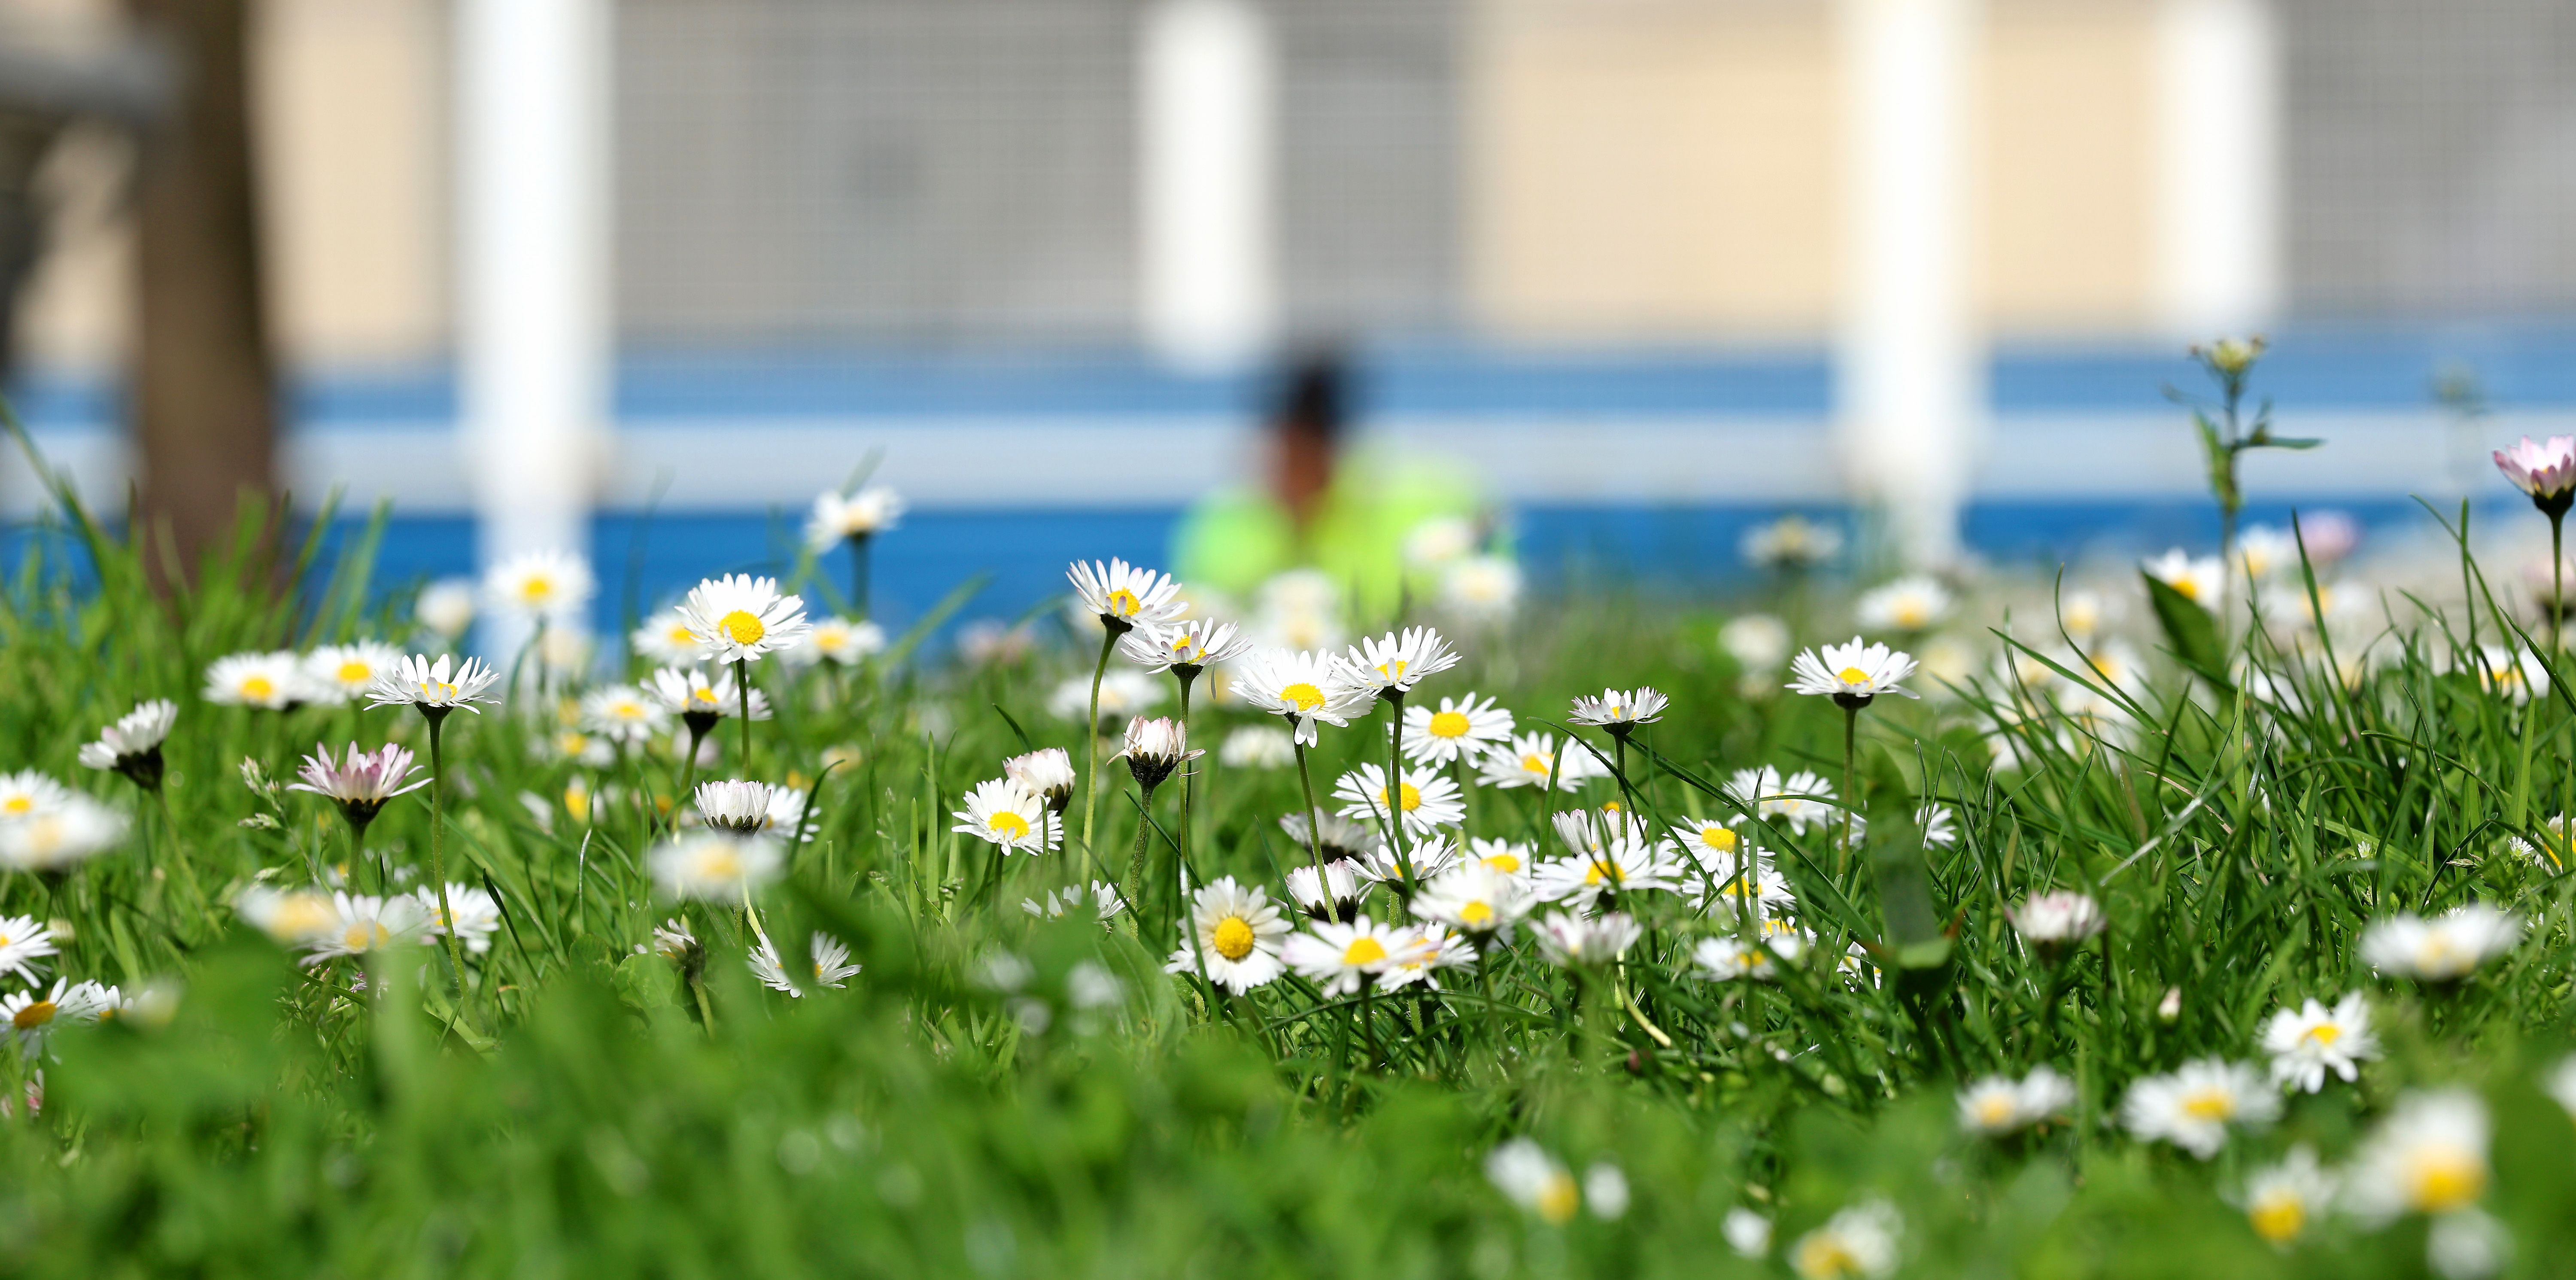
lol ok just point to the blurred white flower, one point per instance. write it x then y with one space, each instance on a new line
341 673
1439 541
2202 581
1571 941
539 584
1526 759
1257 746
271 681
1858 1241
837 516
1791 542
1425 801
1531 1178
1747 1232
1481 589
2195 1106
1915 603
1342 958
1758 642
2446 948
445 607
2311 1040
2000 1105
2282 1200
715 866
2429 1156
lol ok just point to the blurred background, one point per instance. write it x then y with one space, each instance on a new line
643 277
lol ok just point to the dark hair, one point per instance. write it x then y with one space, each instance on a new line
1314 397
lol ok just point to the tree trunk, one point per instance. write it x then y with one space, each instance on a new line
204 389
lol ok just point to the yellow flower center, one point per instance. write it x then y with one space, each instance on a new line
18 804
258 688
1558 1200
433 691
1718 838
1363 950
2210 1104
707 696
1507 863
537 590
1909 615
1994 1110
365 935
719 863
356 672
1412 797
2187 588
1303 696
35 1015
1449 724
1603 871
1824 1256
1535 763
1232 937
576 799
1476 913
2445 1180
1123 603
2278 1217
1392 669
1854 676
742 627
1008 824
681 635
2324 1033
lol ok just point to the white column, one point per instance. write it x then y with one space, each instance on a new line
1205 143
1910 377
533 341
2218 167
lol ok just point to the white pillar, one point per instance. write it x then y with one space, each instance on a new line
2218 167
1910 377
533 341
1204 133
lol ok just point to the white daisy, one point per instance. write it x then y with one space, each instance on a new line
1105 902
1125 597
363 925
666 640
1571 941
2202 580
1186 646
1587 831
2057 920
427 683
2311 1040
445 607
132 745
1430 855
1917 602
1531 1178
700 699
1525 760
2000 1105
1622 867
1235 931
1513 858
2512 674
1481 590
2545 471
1729 957
1154 749
734 805
1851 674
29 793
1621 712
623 713
1423 952
1391 664
2446 948
361 782
1800 800
739 617
765 966
544 584
32 1017
291 918
52 841
274 681
842 642
838 517
2281 1200
2429 1156
1257 746
1336 897
342 673
1047 773
1001 812
1304 687
23 941
1462 729
2194 1107
831 957
1342 958
715 866
1425 801
478 916
1475 899
1860 1240
1790 542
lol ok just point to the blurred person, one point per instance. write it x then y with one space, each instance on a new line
1349 514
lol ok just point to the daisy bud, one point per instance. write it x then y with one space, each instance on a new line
1155 748
1047 773
2057 922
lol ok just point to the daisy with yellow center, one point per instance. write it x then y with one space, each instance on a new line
1007 815
740 618
715 866
540 584
2307 1042
1475 899
1304 687
1913 604
2429 1156
2195 1106
29 792
622 713
1859 1241
1731 957
1531 1178
1505 857
666 640
270 681
2282 1201
362 925
23 941
1851 674
1235 934
431 685
2203 581
1424 802
1527 759
1340 958
1124 596
1999 1105
1461 729
341 673
2446 948
32 1017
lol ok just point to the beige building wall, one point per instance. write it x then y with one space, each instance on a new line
1645 168
351 111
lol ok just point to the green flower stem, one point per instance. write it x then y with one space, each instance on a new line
1395 793
1851 798
1136 866
1091 766
1314 821
742 686
437 717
